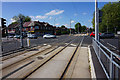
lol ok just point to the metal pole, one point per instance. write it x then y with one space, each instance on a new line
0 38
78 28
96 21
70 26
21 35
54 25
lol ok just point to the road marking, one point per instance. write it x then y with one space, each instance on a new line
44 44
112 45
73 45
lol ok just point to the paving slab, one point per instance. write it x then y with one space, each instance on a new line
81 69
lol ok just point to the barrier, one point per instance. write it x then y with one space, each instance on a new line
109 60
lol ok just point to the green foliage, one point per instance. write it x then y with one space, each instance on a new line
64 32
62 26
27 19
110 17
78 27
24 18
83 28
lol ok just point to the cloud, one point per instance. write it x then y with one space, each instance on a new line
50 17
75 14
67 25
91 26
12 20
55 12
57 24
41 17
72 21
84 13
32 17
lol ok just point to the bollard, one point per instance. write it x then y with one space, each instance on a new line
28 42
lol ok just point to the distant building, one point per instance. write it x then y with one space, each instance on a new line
35 27
39 28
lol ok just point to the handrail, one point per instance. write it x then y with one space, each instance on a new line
110 70
107 49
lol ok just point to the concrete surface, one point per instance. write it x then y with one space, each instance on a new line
20 57
79 67
55 67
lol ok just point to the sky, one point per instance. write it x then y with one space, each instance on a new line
55 13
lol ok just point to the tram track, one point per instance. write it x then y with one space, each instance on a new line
32 70
29 57
62 72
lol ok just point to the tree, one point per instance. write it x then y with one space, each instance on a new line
110 18
83 28
78 27
62 26
25 18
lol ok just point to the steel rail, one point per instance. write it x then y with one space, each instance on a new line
47 60
38 52
79 44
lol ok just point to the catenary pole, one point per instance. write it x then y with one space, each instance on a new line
96 21
70 26
21 34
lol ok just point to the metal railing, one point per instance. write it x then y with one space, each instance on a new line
109 60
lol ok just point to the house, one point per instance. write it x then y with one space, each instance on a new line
33 27
14 28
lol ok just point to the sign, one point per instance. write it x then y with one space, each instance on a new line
118 32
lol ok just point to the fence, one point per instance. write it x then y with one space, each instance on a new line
109 60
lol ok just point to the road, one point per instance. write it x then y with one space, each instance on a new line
10 45
15 44
111 44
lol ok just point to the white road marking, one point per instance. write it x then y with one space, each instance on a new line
112 45
44 44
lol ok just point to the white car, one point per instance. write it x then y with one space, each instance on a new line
49 36
32 36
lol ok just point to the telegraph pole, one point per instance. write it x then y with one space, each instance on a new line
21 34
96 21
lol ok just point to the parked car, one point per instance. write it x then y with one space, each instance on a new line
49 36
17 36
32 36
107 35
93 34
11 35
